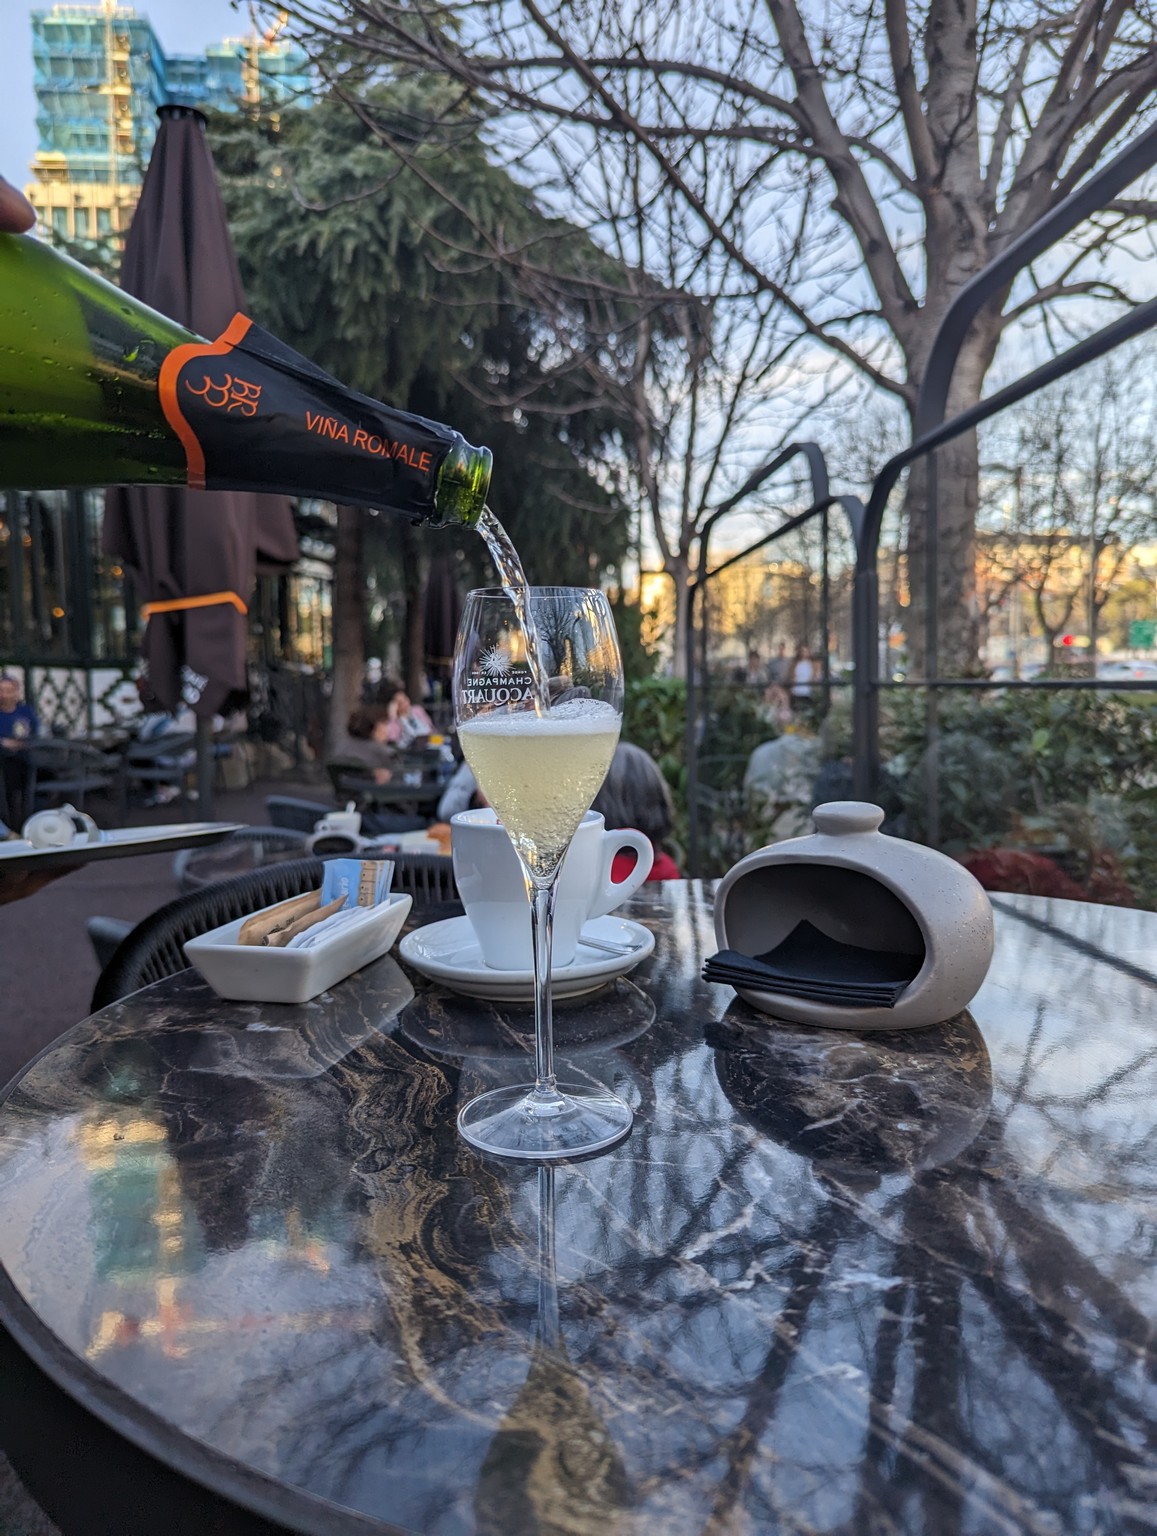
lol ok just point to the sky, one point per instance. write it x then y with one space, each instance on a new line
183 26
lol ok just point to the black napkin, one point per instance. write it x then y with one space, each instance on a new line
810 965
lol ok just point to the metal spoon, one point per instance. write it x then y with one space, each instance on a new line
608 949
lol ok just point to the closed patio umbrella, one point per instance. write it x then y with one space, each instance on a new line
193 555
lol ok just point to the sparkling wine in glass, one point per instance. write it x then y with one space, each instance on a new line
540 767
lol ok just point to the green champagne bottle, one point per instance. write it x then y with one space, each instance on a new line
96 388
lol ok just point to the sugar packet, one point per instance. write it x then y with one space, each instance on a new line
320 933
362 882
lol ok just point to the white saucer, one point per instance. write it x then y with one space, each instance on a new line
448 952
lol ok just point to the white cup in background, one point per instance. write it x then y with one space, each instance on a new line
490 884
349 823
60 828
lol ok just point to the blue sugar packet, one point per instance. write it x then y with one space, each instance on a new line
362 882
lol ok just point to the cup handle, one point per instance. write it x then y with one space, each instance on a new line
84 829
608 895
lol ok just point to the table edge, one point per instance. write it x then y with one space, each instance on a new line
77 855
257 1492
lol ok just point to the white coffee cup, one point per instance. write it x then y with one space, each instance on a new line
349 823
60 828
490 884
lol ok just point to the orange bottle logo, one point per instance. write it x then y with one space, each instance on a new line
167 389
228 394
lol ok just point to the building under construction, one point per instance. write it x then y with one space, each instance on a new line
100 75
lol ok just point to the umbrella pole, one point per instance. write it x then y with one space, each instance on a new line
205 768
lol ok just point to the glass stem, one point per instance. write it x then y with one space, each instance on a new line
542 934
549 1331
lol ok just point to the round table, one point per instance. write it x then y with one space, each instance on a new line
901 1283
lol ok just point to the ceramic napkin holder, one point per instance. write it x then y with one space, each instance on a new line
861 887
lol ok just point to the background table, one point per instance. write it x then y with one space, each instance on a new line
895 1284
25 869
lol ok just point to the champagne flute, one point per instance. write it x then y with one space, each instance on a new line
540 766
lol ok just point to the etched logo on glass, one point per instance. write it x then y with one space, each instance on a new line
496 678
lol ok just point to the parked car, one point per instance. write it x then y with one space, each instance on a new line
1135 669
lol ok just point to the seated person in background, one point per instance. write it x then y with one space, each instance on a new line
18 725
635 794
367 746
406 722
461 793
777 705
367 743
157 723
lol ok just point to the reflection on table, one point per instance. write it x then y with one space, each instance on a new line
897 1284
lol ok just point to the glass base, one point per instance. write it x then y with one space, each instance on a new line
539 1127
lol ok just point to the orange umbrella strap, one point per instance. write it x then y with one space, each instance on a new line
207 600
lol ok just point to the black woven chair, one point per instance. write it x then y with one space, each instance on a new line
351 781
161 762
246 849
152 950
427 877
68 770
293 814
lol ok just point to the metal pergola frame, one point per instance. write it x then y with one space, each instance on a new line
931 430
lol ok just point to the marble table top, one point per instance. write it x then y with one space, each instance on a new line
894 1284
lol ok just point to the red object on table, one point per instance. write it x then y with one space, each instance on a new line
664 867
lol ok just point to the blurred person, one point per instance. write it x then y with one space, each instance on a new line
462 793
635 794
803 674
367 743
158 723
407 722
779 667
372 682
778 704
18 726
17 719
756 674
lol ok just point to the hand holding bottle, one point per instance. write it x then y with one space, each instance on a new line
16 212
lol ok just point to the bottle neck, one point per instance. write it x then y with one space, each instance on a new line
463 484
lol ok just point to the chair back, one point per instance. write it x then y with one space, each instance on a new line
143 754
68 769
152 950
246 849
297 815
427 877
351 781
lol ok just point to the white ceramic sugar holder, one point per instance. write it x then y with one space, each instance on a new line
861 887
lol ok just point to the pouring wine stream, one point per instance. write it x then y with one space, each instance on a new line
513 580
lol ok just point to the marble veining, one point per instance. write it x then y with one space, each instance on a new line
900 1283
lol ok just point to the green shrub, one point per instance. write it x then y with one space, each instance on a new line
656 720
1073 773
